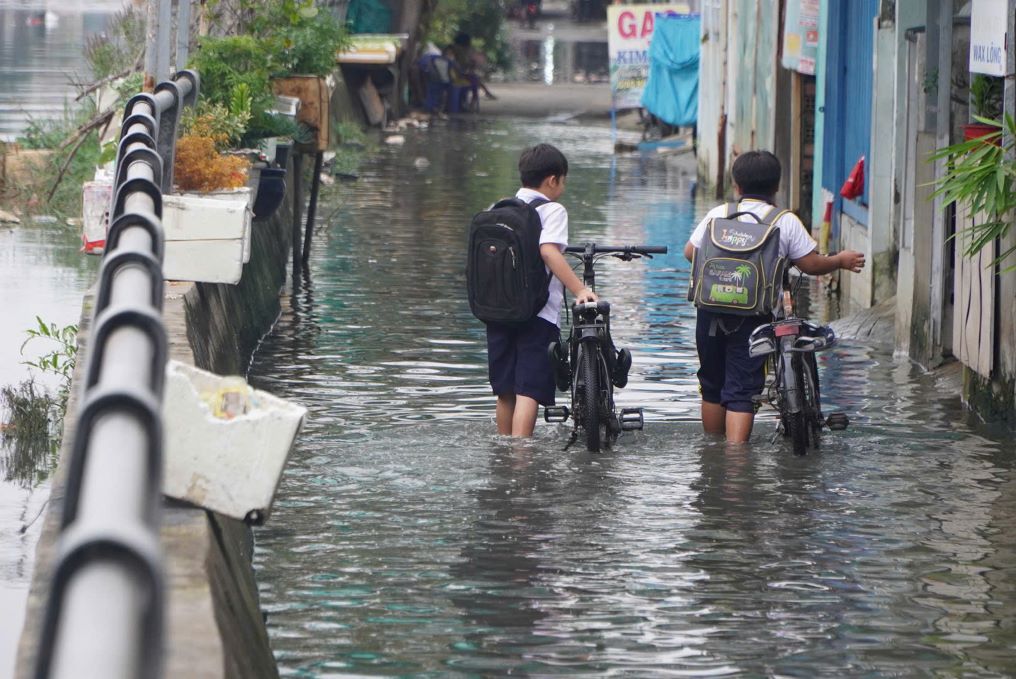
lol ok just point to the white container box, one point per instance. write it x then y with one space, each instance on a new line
208 235
96 197
230 466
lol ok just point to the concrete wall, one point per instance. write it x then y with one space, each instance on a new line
214 625
711 147
737 85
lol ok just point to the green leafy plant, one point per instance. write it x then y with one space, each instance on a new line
62 356
986 97
224 126
232 65
980 173
307 46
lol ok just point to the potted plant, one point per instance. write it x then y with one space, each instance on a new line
207 223
985 106
305 43
980 174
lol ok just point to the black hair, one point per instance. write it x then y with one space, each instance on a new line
463 39
757 173
539 162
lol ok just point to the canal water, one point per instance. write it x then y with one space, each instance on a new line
409 540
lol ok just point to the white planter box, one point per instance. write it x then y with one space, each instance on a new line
95 199
229 466
208 235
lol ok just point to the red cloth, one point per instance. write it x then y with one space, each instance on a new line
854 185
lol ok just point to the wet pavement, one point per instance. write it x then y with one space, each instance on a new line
409 540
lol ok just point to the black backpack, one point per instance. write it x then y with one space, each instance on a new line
506 279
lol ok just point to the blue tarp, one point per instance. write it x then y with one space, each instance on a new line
671 93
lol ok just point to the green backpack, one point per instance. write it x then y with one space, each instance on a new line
738 268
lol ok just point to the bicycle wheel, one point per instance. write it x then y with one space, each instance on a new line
589 377
797 423
811 401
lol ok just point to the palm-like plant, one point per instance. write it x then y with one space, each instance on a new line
980 173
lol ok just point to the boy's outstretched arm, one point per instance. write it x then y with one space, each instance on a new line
816 264
558 266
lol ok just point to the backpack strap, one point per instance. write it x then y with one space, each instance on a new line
773 215
513 201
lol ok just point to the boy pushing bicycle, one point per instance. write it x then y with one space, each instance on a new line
516 236
731 293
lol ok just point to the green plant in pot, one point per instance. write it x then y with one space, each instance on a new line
980 174
985 103
233 67
305 42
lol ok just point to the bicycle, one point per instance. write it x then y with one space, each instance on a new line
591 368
791 344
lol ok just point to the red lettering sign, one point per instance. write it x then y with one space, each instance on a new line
626 24
647 24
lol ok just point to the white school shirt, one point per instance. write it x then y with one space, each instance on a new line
555 230
795 241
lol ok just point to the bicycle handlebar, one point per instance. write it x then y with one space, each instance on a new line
618 249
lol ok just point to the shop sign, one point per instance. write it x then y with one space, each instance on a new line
987 37
800 36
629 31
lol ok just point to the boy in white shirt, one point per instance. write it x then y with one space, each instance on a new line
520 370
728 376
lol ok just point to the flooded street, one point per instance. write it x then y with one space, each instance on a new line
409 540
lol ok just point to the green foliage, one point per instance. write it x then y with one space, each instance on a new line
63 353
45 133
117 49
234 74
980 174
986 96
226 62
224 126
484 20
307 46
29 433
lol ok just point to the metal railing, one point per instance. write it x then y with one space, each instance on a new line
104 615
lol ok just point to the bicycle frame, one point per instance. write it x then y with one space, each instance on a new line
787 341
590 333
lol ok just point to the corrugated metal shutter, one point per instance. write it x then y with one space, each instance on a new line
859 24
848 89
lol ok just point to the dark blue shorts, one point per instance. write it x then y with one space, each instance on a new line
518 362
727 374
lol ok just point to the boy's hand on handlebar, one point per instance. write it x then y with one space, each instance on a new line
851 260
585 295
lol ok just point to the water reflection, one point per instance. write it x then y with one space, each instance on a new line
40 60
409 540
552 61
42 273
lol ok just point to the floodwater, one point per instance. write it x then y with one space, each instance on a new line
42 273
407 539
41 57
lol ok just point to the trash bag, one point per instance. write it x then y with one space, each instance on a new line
369 16
671 92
